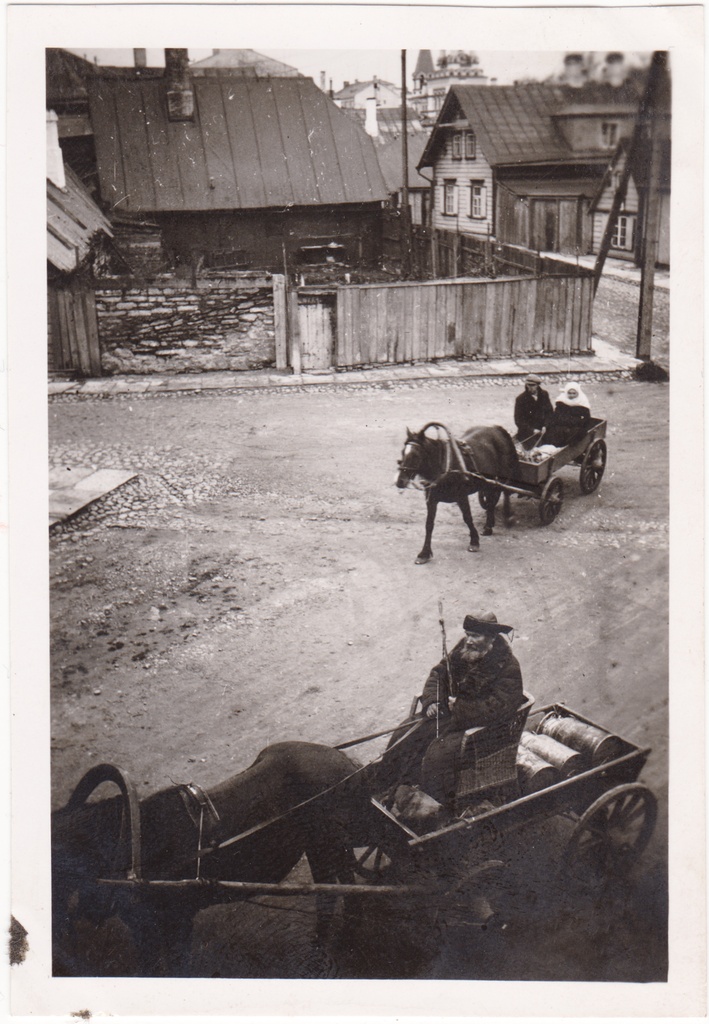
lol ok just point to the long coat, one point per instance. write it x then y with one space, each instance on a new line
486 692
532 413
568 424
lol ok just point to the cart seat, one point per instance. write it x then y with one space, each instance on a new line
487 759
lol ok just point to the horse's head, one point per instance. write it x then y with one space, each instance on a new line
411 459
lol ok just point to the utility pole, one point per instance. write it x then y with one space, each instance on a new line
405 211
650 236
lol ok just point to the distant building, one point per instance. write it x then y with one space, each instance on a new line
354 95
432 80
262 65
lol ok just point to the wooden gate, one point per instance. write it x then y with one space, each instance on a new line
316 329
72 329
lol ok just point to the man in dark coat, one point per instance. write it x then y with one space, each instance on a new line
533 408
483 679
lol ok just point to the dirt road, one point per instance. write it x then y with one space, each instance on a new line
257 582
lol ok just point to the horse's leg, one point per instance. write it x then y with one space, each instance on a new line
507 508
426 554
464 506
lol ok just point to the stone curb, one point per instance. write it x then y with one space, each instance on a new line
604 359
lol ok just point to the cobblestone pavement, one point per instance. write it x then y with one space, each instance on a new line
171 478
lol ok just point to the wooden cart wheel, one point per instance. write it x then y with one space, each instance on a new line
489 497
551 500
610 835
593 466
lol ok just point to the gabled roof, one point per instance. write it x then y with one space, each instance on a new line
517 123
73 218
254 143
263 65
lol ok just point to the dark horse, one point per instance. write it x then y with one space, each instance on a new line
442 464
90 841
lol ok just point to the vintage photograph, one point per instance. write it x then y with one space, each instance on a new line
358 439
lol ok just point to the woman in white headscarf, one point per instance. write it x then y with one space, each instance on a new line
569 421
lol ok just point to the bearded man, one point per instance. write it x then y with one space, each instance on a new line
482 680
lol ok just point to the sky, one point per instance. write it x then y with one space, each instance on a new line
350 65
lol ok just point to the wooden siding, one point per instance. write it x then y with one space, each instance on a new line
397 323
463 171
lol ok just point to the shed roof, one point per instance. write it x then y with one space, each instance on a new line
73 218
253 143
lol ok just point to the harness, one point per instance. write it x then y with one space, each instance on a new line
455 452
198 804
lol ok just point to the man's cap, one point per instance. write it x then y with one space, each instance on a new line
532 379
485 622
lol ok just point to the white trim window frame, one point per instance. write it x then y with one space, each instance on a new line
609 134
624 232
469 145
457 146
450 205
478 200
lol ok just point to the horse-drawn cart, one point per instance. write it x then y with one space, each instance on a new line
505 785
539 480
425 864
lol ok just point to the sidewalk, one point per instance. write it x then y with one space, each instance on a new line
606 358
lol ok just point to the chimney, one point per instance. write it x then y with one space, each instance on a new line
574 70
55 160
180 98
322 81
615 70
215 52
140 58
371 126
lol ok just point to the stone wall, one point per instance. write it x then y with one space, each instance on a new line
172 325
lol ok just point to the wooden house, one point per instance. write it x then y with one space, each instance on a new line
525 163
235 170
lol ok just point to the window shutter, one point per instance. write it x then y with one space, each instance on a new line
483 200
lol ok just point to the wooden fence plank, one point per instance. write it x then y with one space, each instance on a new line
280 320
92 332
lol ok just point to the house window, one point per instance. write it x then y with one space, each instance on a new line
457 150
449 204
609 134
478 200
623 234
469 145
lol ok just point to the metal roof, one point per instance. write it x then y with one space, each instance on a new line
516 123
253 143
73 218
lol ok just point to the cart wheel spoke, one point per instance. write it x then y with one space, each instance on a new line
611 834
593 466
551 500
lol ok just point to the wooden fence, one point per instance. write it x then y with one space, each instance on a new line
437 254
375 324
423 321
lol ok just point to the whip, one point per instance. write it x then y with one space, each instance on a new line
448 665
